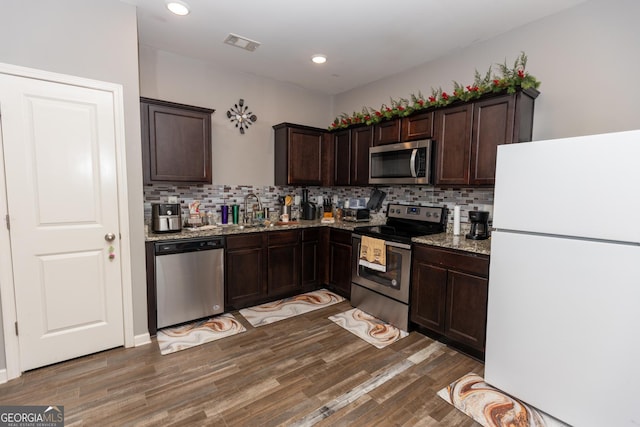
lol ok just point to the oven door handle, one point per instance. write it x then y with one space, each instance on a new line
387 242
412 165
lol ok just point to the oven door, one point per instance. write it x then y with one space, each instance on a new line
393 283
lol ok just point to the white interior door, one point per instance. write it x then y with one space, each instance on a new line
62 195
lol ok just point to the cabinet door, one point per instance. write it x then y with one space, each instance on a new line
305 157
245 282
361 141
283 254
453 145
417 126
428 295
493 121
340 262
176 143
310 266
466 309
387 132
342 157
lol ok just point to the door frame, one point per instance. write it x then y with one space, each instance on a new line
7 291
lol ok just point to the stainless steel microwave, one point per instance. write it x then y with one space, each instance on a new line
402 163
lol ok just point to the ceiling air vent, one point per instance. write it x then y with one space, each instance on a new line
241 42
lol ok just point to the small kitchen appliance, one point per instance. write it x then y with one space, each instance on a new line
356 214
166 217
308 208
479 225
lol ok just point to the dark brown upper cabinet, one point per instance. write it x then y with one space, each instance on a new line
302 155
467 136
417 126
351 155
176 142
387 132
361 141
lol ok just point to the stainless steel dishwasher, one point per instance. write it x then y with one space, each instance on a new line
189 279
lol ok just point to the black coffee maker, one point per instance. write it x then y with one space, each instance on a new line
479 225
308 208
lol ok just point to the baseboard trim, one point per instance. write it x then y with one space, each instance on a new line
3 376
142 339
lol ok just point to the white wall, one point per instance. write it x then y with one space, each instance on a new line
587 59
96 40
237 159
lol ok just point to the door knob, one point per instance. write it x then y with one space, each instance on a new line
109 237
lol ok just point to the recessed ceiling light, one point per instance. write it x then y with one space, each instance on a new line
178 7
319 59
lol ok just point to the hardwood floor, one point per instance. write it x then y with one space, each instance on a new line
293 372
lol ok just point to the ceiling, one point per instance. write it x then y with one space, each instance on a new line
363 40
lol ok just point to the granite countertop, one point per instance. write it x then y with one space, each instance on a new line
443 240
231 229
449 241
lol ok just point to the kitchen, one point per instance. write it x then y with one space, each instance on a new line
594 43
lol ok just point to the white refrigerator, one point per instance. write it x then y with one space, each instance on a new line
563 323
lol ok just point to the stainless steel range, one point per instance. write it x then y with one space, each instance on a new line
385 294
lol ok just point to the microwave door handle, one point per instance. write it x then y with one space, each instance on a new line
412 165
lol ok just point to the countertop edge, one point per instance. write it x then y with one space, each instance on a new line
442 240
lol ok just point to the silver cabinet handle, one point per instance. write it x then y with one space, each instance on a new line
109 237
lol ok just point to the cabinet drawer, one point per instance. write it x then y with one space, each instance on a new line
473 264
277 238
340 236
310 234
253 240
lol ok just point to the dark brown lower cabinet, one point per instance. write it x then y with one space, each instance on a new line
245 273
339 262
283 262
265 266
312 257
449 296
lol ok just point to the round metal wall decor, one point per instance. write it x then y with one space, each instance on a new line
241 116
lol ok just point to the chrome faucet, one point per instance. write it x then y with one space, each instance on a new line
248 219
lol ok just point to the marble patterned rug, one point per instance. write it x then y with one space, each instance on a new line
372 330
182 337
492 407
264 314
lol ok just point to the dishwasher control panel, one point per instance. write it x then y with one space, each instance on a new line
188 245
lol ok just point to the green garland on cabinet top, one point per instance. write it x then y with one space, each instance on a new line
508 80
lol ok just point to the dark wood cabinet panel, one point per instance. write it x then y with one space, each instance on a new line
342 157
351 155
299 155
176 142
417 126
264 266
311 273
428 298
466 308
361 141
492 126
453 145
152 305
284 259
340 262
449 295
245 282
387 132
467 136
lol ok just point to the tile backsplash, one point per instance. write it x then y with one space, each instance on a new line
212 196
